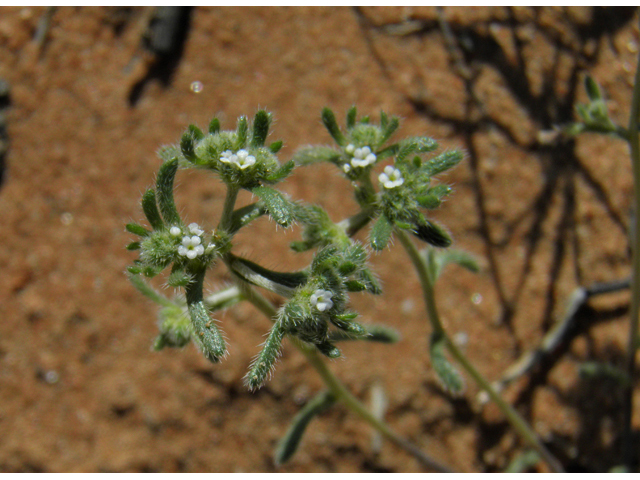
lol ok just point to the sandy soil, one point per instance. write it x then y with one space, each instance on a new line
89 106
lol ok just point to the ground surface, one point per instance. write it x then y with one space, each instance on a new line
89 106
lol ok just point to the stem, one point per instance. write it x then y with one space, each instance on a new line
514 418
229 205
356 222
223 299
338 389
634 146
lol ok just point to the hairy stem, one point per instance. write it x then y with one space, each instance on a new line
514 418
229 205
634 146
338 389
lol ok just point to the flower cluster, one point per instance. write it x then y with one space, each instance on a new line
391 178
240 159
191 245
361 157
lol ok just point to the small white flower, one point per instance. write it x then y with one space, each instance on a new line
195 229
346 167
321 299
391 178
244 160
191 247
228 157
175 231
363 157
240 159
350 149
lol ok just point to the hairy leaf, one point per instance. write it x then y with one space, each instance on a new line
261 123
164 187
381 233
446 372
150 209
329 121
290 442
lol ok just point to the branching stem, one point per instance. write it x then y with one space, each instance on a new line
514 418
338 389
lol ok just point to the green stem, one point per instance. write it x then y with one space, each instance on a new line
355 223
338 389
229 205
223 299
514 418
634 146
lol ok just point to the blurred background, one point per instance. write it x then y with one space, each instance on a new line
88 95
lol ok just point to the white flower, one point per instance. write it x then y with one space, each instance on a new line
244 160
391 178
228 157
346 167
240 159
191 247
350 149
321 299
195 229
175 231
363 157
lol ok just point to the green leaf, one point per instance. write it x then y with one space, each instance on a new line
351 117
442 258
187 143
446 372
281 173
206 333
134 269
242 130
370 281
179 278
133 246
442 162
381 233
328 350
310 155
388 128
329 121
282 283
412 145
264 363
164 187
261 123
275 147
137 229
150 209
432 233
373 333
346 324
282 210
290 442
214 126
593 89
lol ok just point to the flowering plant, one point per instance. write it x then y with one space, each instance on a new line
315 312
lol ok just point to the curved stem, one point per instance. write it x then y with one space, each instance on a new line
634 146
514 418
338 389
